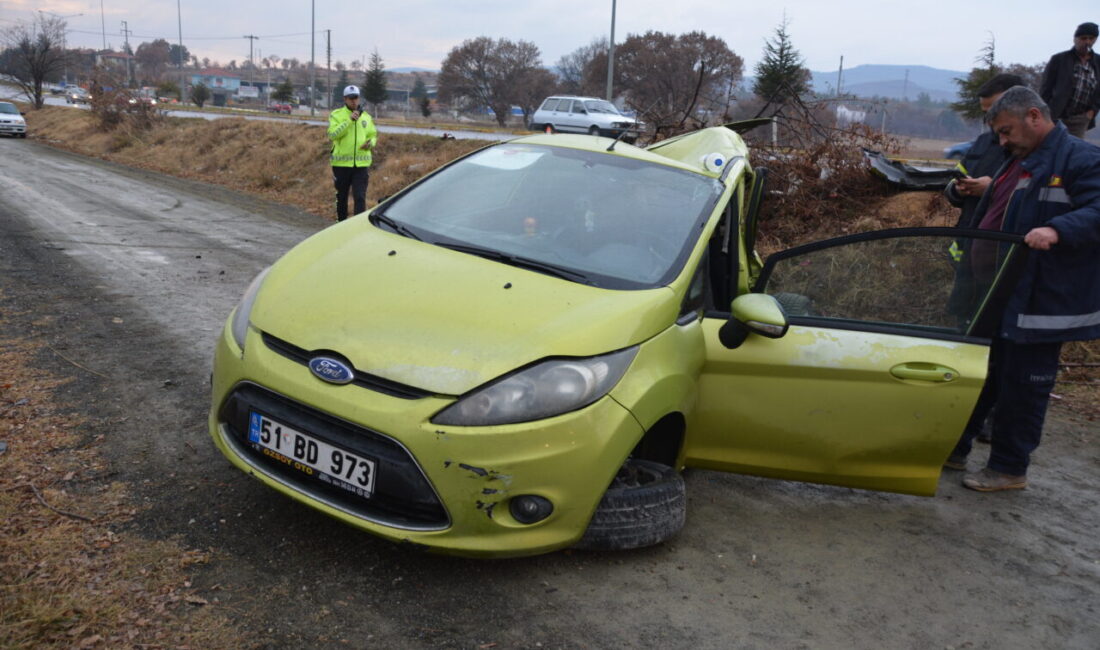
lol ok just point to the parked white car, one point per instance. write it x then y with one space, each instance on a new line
571 114
11 120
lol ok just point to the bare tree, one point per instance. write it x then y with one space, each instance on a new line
534 87
669 79
33 52
488 72
154 58
571 67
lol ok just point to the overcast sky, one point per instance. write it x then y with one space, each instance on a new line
419 33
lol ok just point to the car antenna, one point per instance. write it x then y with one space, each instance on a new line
611 147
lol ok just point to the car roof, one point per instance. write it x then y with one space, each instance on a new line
575 97
685 152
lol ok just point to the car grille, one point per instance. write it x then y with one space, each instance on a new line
402 496
365 380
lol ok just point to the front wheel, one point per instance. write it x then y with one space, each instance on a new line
645 505
593 130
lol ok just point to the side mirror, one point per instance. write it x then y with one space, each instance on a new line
753 313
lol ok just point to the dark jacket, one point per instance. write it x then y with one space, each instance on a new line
1057 90
1058 295
983 158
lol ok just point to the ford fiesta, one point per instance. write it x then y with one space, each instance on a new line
520 352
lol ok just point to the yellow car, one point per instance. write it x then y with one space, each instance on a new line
519 352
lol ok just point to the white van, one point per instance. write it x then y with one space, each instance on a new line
590 115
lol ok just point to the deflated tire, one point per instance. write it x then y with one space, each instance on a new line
645 505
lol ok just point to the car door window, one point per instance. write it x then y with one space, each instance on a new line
930 281
578 107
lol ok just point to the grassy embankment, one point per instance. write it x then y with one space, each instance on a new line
284 162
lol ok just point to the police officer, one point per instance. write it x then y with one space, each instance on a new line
353 137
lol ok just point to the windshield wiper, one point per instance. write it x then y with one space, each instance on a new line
521 262
399 228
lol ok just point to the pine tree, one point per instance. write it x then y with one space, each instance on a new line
374 85
283 92
968 105
780 75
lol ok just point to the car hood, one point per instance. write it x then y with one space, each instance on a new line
437 319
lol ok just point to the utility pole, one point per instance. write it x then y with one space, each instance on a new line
179 26
126 36
328 67
103 23
839 72
905 88
251 62
611 53
312 56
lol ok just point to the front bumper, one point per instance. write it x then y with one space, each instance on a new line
12 127
445 488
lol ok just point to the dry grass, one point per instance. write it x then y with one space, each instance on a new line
68 578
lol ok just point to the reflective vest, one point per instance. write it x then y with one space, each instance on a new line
348 138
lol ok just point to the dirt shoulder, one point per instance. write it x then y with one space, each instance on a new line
74 574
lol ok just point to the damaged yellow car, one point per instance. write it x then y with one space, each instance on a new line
521 351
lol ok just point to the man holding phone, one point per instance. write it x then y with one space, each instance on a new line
984 157
353 137
977 167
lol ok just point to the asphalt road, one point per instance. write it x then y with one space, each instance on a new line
130 275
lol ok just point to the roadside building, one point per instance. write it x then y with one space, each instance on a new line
222 83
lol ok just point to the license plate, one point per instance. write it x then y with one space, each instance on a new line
303 452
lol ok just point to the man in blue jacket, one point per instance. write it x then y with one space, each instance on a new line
1048 191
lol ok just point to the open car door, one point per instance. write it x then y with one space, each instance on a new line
881 366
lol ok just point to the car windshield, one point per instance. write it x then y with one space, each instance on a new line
8 108
600 106
591 217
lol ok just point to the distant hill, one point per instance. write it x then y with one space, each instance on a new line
411 69
889 81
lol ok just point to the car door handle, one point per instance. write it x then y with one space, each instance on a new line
921 371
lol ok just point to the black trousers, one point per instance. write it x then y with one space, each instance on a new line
355 179
1021 376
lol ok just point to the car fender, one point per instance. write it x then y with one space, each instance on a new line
663 379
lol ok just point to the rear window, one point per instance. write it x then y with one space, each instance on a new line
550 104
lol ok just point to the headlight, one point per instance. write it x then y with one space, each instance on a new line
244 309
544 390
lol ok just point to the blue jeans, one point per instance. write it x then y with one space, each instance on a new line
1021 376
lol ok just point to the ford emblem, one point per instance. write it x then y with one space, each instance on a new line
331 370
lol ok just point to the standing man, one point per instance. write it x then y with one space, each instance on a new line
981 161
1071 82
1048 191
984 157
353 137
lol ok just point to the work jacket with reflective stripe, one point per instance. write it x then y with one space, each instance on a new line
348 138
1058 296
